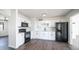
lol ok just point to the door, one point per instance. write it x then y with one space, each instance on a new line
74 30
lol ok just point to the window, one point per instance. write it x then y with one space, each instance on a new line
1 26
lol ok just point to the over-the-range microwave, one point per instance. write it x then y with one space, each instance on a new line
23 24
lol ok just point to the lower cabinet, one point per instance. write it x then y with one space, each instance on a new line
75 42
52 35
20 39
43 35
34 35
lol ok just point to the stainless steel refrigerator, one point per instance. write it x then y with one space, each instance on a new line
62 31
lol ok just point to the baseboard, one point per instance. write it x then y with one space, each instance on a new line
3 36
12 48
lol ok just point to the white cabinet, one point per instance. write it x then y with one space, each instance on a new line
20 40
34 35
52 35
43 35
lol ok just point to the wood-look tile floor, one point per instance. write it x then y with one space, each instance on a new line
37 44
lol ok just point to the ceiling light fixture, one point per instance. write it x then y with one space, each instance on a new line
44 14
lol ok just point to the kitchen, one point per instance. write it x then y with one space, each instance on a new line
40 26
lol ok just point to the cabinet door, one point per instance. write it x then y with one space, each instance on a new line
58 32
77 41
41 35
38 35
20 38
33 34
53 36
45 35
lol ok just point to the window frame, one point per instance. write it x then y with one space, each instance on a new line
2 23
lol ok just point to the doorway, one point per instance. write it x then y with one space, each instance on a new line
74 31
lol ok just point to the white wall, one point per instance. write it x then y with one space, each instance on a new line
73 28
5 12
12 29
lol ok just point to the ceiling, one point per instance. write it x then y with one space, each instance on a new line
48 12
5 12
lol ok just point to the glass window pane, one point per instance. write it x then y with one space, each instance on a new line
1 26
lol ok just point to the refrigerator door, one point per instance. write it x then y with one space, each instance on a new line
58 31
62 31
65 31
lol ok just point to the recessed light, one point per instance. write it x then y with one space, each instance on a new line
44 14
